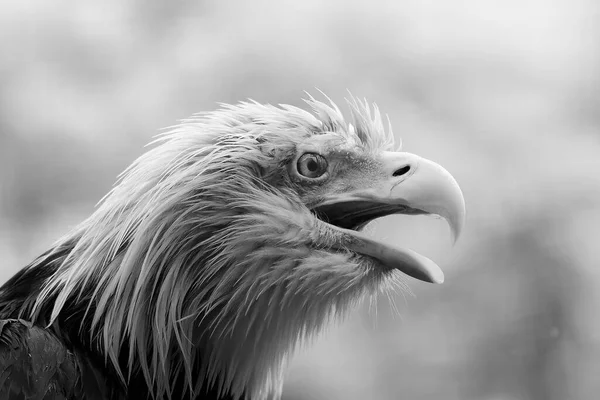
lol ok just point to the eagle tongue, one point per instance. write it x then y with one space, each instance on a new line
408 261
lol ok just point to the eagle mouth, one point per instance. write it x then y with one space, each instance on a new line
355 215
346 219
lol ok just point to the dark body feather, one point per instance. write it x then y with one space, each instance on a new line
59 362
34 363
40 362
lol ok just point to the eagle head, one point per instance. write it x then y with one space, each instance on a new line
238 236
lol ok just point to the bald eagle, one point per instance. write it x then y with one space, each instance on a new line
235 238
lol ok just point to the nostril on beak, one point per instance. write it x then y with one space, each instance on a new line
402 171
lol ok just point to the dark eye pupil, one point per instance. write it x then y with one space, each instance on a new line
312 165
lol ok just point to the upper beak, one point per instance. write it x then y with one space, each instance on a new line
423 185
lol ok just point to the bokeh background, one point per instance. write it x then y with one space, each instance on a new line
505 95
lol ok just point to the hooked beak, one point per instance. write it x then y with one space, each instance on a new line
427 187
409 184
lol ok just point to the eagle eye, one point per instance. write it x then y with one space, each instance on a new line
312 165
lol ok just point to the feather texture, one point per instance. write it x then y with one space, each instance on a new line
201 266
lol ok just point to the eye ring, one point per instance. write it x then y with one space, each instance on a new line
311 165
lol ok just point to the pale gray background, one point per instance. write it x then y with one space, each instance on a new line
504 94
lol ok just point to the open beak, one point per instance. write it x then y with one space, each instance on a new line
408 184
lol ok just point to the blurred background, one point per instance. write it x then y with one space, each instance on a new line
505 95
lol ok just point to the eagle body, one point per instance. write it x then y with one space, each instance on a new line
238 236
